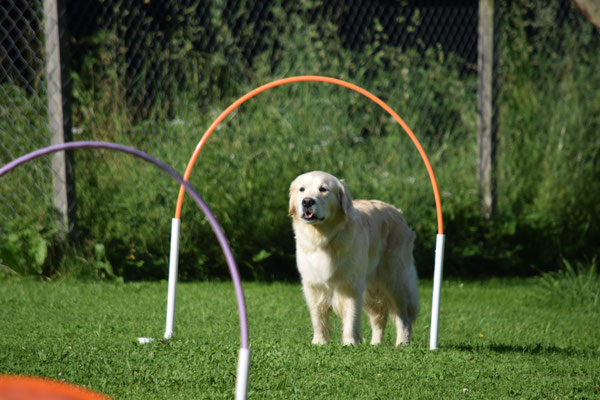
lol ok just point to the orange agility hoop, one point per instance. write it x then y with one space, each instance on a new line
18 387
440 239
313 78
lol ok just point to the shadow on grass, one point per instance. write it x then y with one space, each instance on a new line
533 349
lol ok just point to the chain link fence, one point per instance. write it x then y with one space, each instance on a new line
137 65
158 48
23 124
26 199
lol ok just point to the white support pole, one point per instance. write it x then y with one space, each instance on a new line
173 267
241 382
437 288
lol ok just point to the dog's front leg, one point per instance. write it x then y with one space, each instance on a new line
318 300
349 307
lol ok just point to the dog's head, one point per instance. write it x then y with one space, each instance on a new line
317 196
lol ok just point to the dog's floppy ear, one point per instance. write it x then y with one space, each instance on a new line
344 197
292 209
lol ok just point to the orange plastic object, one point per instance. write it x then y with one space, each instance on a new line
314 78
16 387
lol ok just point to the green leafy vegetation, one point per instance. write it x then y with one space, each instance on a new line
548 149
577 284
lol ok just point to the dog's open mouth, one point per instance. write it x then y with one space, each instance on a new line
310 216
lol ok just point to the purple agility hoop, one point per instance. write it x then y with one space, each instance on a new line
244 355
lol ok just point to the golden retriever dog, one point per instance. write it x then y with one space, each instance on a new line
352 255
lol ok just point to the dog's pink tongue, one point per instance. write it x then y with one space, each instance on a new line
308 214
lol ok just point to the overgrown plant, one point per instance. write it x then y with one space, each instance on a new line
548 150
575 283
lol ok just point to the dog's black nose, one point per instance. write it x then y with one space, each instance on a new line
308 202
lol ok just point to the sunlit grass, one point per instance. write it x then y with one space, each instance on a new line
498 339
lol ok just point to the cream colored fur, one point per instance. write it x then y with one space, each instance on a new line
352 255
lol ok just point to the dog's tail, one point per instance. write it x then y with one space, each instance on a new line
413 310
412 300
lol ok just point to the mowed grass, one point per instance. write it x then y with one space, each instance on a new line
498 339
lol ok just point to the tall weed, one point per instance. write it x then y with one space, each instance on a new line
578 284
549 148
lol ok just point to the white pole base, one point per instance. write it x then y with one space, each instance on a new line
173 267
437 287
241 382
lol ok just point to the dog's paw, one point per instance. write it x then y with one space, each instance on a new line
350 342
319 340
402 341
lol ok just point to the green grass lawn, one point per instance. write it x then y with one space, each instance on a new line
498 339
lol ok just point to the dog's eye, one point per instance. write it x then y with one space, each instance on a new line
302 189
322 189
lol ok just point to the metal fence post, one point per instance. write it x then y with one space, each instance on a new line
486 132
59 112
